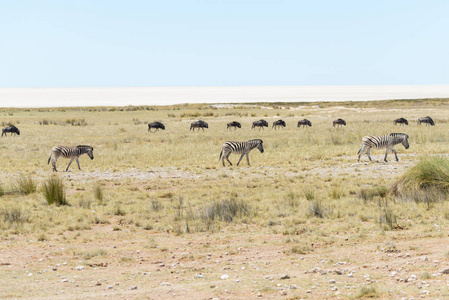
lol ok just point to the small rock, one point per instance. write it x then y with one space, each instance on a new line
109 287
133 287
332 281
166 284
285 276
199 275
350 275
224 276
80 268
259 294
293 287
445 271
284 292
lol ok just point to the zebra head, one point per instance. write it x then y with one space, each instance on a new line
258 143
86 149
401 138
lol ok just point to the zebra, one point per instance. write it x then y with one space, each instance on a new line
400 121
340 122
69 152
234 124
12 129
199 124
260 124
278 123
304 123
239 147
428 120
157 125
383 141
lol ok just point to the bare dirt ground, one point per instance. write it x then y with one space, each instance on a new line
139 264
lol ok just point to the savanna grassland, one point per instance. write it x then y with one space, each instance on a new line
156 215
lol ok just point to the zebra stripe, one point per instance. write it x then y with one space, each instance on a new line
383 141
69 152
243 148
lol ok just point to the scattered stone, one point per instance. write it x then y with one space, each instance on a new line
445 271
284 292
224 276
339 272
109 287
332 281
165 283
285 276
80 268
293 287
197 275
259 294
350 275
133 287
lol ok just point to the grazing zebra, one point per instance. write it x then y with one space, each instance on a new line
428 120
239 147
383 141
400 121
340 122
12 129
157 125
199 124
70 152
260 124
278 123
234 124
304 123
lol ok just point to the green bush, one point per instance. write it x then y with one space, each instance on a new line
54 191
25 185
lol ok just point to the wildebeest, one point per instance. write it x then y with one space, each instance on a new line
260 124
428 120
157 125
278 123
234 124
400 121
198 124
12 129
304 123
340 122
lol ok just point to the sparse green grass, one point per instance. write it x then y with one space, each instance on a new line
25 185
54 191
368 292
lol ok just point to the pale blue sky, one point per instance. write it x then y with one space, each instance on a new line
208 43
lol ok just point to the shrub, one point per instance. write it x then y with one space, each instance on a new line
25 185
316 209
368 292
370 193
427 181
388 219
98 193
54 191
14 215
225 210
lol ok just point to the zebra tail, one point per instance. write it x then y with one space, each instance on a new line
49 158
221 152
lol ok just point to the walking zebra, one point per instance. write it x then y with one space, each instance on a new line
278 123
157 125
260 124
234 124
383 141
70 152
12 129
199 124
340 122
400 121
428 120
243 148
304 123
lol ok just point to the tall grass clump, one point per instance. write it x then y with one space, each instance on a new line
98 193
368 292
427 181
54 191
14 215
25 185
224 210
2 191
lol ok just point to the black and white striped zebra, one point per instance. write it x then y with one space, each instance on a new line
243 148
383 141
427 120
70 152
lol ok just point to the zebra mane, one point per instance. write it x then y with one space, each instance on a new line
256 140
84 147
402 135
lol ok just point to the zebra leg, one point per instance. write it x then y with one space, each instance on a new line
53 163
395 154
247 158
78 162
368 153
361 152
243 154
227 158
71 160
386 153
